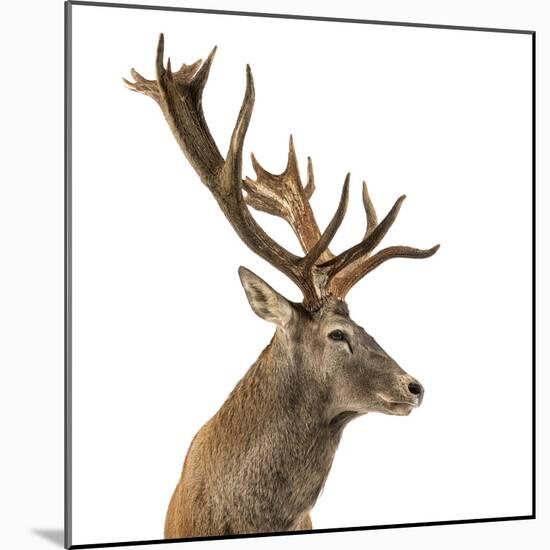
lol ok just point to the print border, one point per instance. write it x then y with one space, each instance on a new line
68 268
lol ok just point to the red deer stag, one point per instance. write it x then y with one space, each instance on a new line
258 465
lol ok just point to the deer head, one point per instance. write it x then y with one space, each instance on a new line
336 354
318 333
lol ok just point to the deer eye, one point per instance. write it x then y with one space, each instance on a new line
337 335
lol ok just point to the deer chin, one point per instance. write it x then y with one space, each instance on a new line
397 408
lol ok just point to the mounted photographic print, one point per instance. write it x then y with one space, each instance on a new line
253 346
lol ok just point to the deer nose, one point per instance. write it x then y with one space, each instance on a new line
416 389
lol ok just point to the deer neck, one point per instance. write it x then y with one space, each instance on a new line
282 433
291 401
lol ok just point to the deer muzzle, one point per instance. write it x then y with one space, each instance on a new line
408 397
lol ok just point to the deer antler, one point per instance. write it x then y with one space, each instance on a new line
318 273
284 196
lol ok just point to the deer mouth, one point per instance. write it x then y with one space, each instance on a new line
398 408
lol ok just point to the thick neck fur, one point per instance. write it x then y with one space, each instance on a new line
278 439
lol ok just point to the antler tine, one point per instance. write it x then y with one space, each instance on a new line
342 283
370 211
328 234
232 172
310 185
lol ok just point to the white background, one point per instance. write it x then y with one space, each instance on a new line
162 329
32 325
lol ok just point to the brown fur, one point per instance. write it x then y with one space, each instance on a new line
239 476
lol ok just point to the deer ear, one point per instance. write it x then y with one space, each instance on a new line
266 302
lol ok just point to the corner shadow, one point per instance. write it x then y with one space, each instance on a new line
55 536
